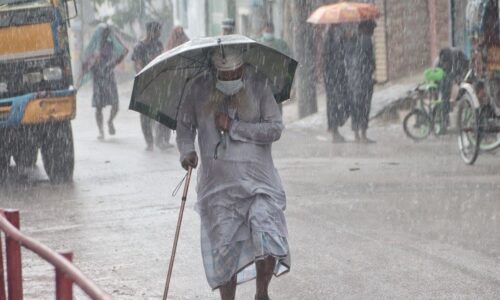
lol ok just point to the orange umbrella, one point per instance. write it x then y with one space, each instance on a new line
344 12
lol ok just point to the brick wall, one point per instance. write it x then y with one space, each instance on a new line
407 33
443 23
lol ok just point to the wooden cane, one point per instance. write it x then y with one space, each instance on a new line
177 231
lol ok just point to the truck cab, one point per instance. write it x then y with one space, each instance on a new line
37 98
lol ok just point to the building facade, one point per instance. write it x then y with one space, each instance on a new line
204 17
407 39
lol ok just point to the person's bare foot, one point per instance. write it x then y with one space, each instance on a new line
149 148
357 138
111 128
365 140
100 137
337 138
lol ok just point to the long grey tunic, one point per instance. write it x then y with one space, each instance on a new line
240 196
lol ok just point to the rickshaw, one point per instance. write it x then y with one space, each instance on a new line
479 96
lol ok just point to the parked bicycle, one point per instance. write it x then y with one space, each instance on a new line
479 104
428 113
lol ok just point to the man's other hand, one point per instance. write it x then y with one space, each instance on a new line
191 160
222 121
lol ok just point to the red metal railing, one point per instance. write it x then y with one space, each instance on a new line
66 272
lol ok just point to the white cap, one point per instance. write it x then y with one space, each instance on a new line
231 60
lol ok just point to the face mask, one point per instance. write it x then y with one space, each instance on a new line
229 88
268 36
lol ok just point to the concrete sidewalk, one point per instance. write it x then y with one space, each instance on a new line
384 95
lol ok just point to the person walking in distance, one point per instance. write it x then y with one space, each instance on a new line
144 52
104 52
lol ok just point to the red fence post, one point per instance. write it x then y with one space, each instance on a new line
2 273
64 285
14 266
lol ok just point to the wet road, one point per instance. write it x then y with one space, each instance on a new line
390 220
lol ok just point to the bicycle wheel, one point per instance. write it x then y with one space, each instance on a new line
417 125
469 135
439 120
487 119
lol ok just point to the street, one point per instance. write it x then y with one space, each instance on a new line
392 220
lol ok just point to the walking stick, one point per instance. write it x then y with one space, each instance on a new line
177 231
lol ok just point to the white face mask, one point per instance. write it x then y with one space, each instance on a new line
268 36
229 88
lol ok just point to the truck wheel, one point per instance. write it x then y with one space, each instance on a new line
58 153
27 157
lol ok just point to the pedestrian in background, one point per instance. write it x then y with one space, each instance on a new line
269 39
240 196
360 66
176 38
455 65
104 52
228 26
144 52
338 93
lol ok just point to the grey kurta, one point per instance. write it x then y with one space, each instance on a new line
240 196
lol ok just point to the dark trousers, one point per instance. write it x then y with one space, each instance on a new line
338 98
360 108
153 130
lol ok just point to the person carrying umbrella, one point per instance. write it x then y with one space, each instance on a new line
338 93
360 66
103 53
355 23
240 196
226 91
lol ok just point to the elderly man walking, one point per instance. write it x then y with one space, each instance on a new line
241 201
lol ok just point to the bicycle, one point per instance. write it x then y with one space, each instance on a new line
428 113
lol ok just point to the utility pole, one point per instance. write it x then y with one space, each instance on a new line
303 46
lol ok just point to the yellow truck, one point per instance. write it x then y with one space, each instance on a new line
37 98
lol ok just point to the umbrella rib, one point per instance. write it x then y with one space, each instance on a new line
183 89
193 59
165 70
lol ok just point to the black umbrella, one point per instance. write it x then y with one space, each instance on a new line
160 87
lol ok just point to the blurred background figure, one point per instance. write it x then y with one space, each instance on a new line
176 38
104 52
228 26
269 39
338 93
144 52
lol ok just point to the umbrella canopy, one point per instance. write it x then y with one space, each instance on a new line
344 12
160 87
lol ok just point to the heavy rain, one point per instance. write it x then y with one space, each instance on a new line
249 149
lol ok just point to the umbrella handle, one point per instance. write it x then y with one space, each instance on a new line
177 232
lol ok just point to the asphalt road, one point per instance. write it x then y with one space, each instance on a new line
393 220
